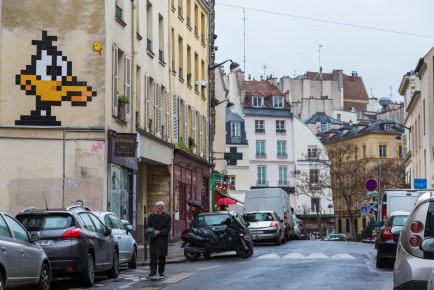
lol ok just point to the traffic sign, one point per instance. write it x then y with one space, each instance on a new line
373 206
371 184
364 210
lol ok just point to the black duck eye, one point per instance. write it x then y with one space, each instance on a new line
48 69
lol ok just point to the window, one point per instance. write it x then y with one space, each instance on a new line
364 151
283 175
338 117
382 151
356 153
314 176
257 102
4 231
280 126
312 151
315 204
260 149
347 225
278 102
259 126
235 129
231 180
149 26
401 154
262 175
281 149
161 39
87 222
19 232
98 224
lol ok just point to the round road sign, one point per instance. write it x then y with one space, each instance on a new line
371 184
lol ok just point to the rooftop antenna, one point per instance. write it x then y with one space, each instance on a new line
264 67
46 206
244 12
320 68
390 92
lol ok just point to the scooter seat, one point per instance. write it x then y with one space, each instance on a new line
209 234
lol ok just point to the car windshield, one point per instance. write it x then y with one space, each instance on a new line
41 222
400 220
258 217
210 220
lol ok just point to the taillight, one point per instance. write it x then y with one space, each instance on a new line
302 230
74 233
387 234
383 212
274 224
416 227
285 217
184 235
415 241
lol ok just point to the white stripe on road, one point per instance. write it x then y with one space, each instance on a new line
294 256
177 278
269 256
317 256
209 268
342 256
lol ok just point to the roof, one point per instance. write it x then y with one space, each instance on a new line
322 118
233 117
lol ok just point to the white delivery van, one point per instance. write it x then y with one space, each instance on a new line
271 199
399 200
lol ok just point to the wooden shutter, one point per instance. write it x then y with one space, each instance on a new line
115 80
207 150
128 87
158 109
185 124
175 118
193 128
168 128
147 102
201 135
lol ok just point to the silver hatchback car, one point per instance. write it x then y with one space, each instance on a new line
23 262
121 232
266 226
415 251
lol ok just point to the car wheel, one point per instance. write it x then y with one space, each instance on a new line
278 241
132 264
380 261
207 255
244 251
44 278
191 256
87 277
114 271
2 282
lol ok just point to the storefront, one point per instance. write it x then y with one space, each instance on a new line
191 181
122 173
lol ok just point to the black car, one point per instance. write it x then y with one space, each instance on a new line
76 242
387 239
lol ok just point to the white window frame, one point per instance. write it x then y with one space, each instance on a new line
235 129
257 102
281 148
262 175
278 102
283 175
260 148
259 126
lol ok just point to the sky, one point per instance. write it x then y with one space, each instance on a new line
380 39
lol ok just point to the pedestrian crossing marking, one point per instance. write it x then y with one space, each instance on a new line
342 256
294 256
317 256
269 256
177 278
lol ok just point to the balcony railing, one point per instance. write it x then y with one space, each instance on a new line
283 182
257 130
261 155
282 155
261 182
280 131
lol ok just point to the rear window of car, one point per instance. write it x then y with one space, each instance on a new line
43 222
399 220
258 217
210 220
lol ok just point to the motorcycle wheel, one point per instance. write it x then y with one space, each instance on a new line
207 255
242 252
191 256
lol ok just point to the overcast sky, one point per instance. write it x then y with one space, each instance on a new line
283 36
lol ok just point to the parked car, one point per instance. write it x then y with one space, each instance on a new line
387 238
23 262
299 230
121 230
415 251
266 226
335 237
77 243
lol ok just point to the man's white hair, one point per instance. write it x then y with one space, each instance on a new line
159 204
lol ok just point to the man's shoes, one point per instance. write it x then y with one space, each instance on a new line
152 275
162 276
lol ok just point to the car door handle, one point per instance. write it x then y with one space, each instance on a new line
4 249
22 251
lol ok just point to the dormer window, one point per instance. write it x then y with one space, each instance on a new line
257 102
277 102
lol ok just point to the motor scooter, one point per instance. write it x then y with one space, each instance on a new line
203 241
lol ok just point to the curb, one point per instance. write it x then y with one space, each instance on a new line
169 261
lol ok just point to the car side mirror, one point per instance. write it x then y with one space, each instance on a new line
109 231
34 237
427 245
281 221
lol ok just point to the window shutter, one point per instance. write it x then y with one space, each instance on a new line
185 124
208 151
201 134
175 118
115 80
128 87
168 129
157 107
147 103
193 128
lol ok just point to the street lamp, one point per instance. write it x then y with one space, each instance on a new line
398 136
233 65
228 105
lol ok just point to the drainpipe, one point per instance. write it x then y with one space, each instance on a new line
133 101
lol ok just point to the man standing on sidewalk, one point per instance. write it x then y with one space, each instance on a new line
160 221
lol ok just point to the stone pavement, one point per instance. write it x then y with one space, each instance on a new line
175 254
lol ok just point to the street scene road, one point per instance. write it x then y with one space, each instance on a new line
310 264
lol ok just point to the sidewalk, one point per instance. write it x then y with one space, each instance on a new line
175 254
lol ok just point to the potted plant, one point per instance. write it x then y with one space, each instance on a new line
122 102
191 143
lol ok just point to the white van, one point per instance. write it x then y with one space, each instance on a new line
272 199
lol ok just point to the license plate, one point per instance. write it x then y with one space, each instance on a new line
44 242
